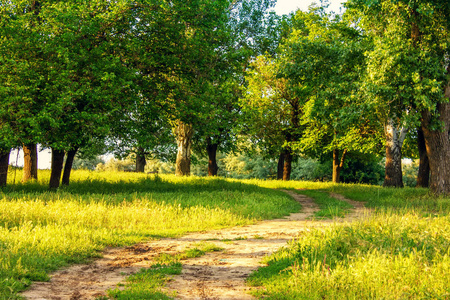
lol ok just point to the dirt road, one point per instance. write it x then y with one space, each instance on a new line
216 275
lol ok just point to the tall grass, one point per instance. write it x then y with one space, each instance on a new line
41 231
377 197
387 257
401 252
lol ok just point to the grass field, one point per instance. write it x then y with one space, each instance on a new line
401 252
41 231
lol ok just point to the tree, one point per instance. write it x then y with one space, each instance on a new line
322 60
251 30
23 73
409 68
30 158
271 112
423 175
67 77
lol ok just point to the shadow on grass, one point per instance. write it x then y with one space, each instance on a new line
147 184
397 199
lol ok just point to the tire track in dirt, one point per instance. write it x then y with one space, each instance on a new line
216 275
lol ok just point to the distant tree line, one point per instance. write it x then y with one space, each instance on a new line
160 79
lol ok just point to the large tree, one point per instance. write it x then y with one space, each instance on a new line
408 69
322 60
271 112
67 77
251 30
23 72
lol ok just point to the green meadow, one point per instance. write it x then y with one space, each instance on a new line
402 251
42 231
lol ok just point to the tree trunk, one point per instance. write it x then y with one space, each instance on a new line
57 165
140 160
4 162
438 148
183 133
280 167
423 176
338 164
212 162
287 165
394 142
68 166
29 162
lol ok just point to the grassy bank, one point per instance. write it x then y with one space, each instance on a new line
386 257
41 231
401 252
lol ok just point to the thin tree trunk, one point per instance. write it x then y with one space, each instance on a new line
280 167
423 175
140 160
57 165
183 133
394 142
68 166
4 162
287 168
338 164
438 149
29 162
212 159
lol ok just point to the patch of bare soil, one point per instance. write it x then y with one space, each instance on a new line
216 275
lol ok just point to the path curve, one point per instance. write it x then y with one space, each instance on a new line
216 275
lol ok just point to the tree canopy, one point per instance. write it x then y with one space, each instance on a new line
143 76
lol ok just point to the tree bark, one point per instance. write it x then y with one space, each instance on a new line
183 133
29 162
394 142
212 159
57 165
423 175
280 167
4 162
338 164
140 160
68 166
287 168
438 148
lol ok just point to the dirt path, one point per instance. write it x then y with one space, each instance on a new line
216 275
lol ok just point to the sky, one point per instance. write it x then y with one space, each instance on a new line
287 6
282 7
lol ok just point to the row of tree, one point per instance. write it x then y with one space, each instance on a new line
213 75
134 73
348 84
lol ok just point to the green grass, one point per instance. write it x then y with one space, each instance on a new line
329 207
147 283
382 199
198 250
395 199
401 252
42 231
386 257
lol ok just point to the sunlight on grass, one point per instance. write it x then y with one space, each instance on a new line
386 257
329 207
147 283
42 231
